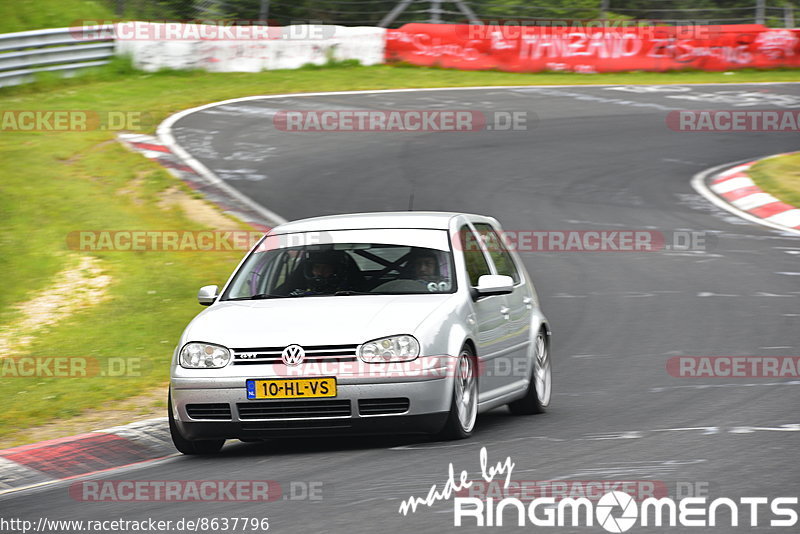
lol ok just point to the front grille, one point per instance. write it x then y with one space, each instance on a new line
209 411
383 406
294 409
314 353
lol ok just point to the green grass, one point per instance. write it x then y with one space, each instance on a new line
780 177
56 182
346 75
21 15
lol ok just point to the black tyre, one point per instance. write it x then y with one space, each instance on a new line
464 404
190 446
537 398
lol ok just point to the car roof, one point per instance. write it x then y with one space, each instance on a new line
437 220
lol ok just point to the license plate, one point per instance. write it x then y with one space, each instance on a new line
291 388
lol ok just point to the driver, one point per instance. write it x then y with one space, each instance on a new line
324 272
425 265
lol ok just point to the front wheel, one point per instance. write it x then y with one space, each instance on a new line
190 446
464 404
537 398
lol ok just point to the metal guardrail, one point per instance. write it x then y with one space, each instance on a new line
62 50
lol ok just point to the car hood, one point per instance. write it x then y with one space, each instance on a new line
340 320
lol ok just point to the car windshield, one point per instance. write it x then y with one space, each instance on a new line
327 266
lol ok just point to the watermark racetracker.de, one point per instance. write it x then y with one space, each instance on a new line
162 240
511 29
74 120
734 366
198 30
523 241
600 240
411 120
74 367
734 120
175 491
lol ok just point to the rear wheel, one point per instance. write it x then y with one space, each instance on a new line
537 398
190 446
464 404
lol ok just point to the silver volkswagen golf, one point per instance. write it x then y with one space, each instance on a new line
407 322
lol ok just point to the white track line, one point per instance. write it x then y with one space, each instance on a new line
164 130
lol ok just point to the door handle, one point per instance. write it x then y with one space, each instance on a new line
504 311
528 301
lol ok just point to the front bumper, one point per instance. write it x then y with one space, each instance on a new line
427 410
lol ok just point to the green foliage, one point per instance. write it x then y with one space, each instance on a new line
17 16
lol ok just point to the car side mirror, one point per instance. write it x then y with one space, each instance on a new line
494 284
207 295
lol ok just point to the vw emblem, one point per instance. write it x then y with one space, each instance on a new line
293 355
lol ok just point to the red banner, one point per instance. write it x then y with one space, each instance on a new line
588 49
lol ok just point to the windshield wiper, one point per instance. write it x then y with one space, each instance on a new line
348 293
262 296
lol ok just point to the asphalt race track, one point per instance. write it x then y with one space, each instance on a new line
591 158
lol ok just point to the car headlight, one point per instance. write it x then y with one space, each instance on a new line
204 356
389 349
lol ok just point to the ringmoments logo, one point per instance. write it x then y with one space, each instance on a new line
615 511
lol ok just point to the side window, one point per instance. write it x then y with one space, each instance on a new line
497 250
473 255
